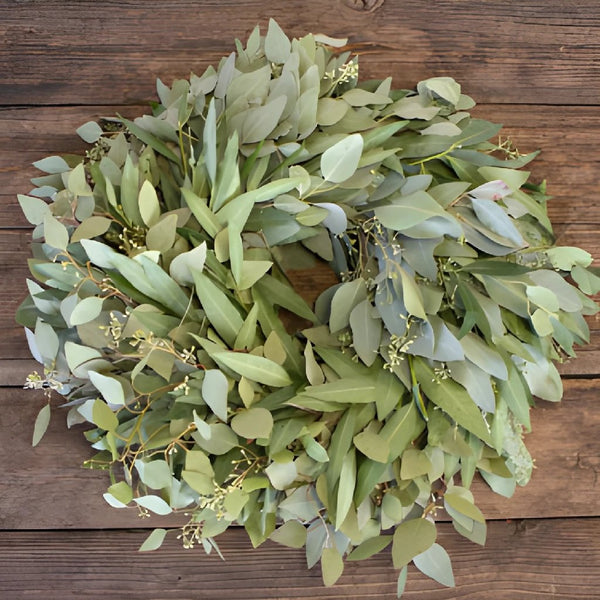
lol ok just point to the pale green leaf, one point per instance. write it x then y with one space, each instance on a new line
373 446
314 373
154 540
588 282
55 232
221 440
210 142
148 204
221 312
314 449
346 487
121 491
340 161
214 392
541 323
370 547
155 504
41 424
566 257
253 423
52 164
277 44
228 175
86 310
463 506
346 390
34 209
247 333
281 475
90 228
156 474
262 120
110 388
413 299
411 538
401 584
182 265
46 341
435 563
252 271
291 534
202 483
103 416
161 236
366 329
204 215
453 399
332 566
77 183
89 132
440 87
346 297
255 368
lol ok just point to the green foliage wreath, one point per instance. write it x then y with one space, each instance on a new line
161 282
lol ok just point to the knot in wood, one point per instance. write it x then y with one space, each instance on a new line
363 5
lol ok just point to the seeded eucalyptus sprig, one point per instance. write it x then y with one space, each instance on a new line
162 274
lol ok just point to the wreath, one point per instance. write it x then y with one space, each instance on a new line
163 306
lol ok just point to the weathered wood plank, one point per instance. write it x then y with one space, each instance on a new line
566 135
533 560
45 487
57 52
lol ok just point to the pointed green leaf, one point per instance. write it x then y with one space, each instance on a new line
154 540
370 547
253 423
277 44
291 534
55 232
214 392
221 312
346 487
340 161
332 566
435 563
41 424
34 209
464 506
148 204
90 228
103 416
411 538
373 446
366 329
154 503
110 388
255 368
210 142
89 132
86 310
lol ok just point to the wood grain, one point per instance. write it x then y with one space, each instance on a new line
46 488
68 52
532 65
523 560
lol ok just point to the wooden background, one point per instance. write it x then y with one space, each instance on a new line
533 65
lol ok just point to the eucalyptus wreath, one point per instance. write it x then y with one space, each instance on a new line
162 305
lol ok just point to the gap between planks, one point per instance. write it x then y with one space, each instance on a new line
533 560
46 488
61 55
